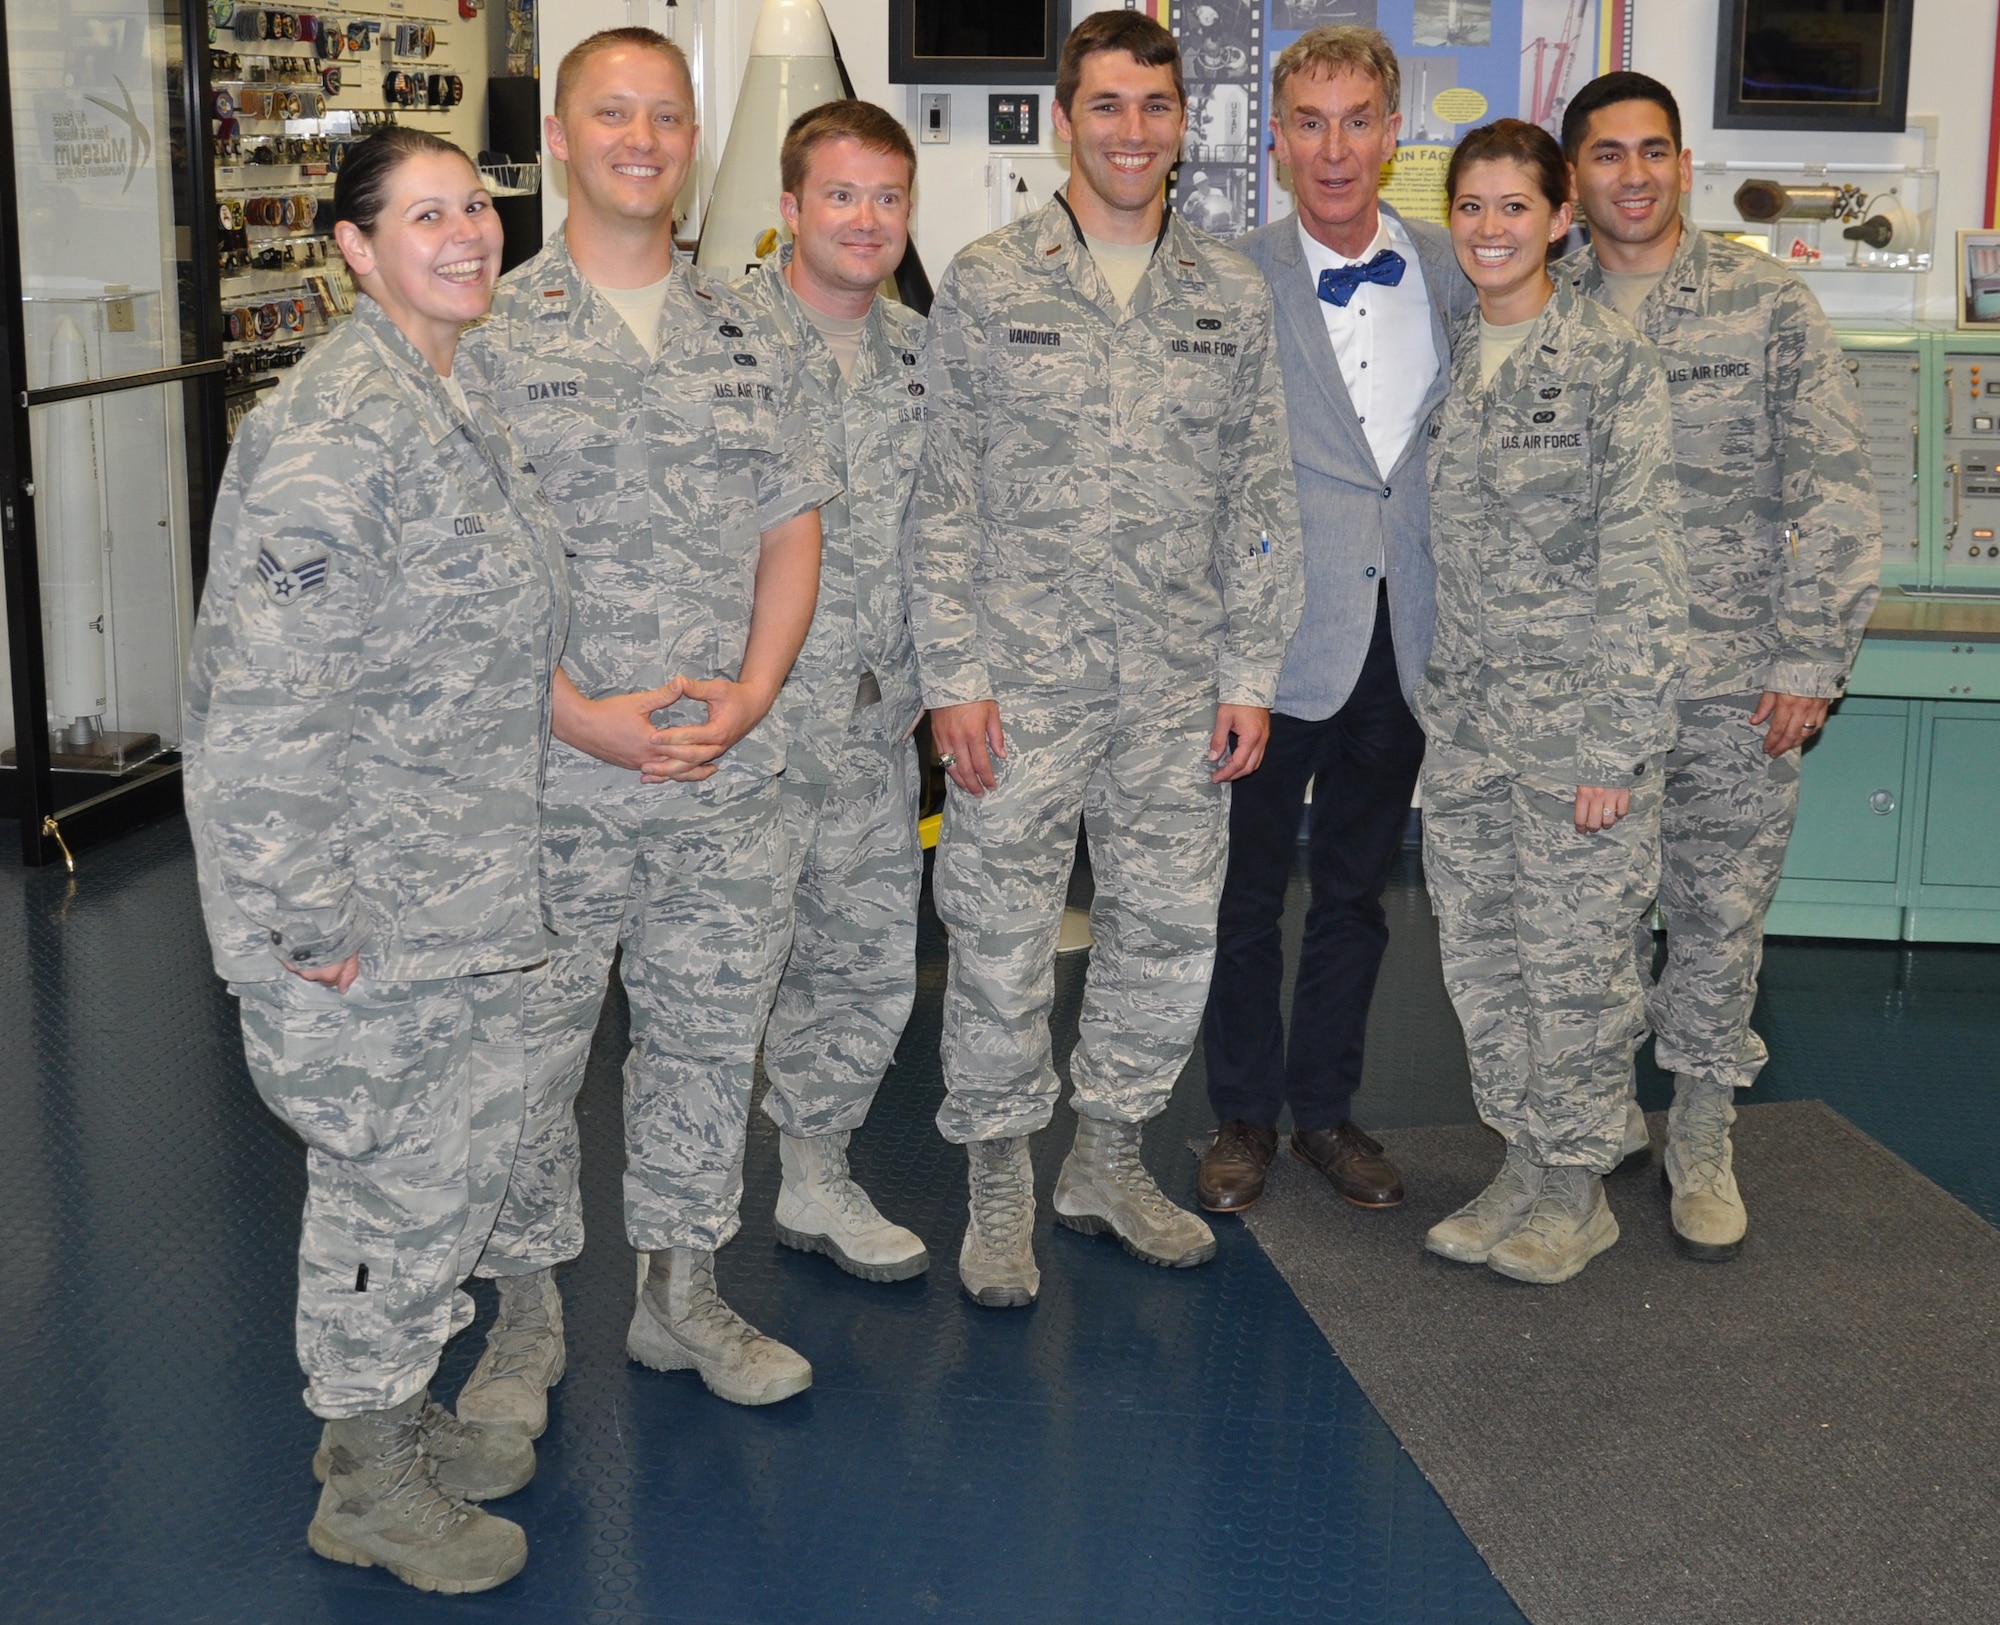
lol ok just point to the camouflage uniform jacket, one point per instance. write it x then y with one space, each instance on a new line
871 427
1767 433
666 471
367 702
1562 597
1105 499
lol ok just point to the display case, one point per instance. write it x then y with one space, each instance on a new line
111 348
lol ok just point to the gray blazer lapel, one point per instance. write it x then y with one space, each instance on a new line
1298 313
1441 278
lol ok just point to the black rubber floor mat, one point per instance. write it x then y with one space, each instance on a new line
1807 1432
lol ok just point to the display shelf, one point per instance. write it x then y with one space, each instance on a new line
1823 217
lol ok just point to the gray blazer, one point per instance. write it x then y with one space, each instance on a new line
1351 512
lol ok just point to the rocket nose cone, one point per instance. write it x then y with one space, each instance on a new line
66 354
791 28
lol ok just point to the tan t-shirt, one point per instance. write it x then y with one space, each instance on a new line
1497 343
1626 291
641 309
841 333
1121 265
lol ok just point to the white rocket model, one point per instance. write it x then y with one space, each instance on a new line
792 68
71 527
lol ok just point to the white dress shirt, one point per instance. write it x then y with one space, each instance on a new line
1382 340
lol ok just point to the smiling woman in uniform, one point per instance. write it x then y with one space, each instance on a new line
367 706
1547 705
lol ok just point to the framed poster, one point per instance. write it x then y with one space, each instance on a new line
1978 279
1812 64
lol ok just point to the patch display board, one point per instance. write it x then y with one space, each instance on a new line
1464 63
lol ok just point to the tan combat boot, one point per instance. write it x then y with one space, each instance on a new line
996 1263
524 1358
472 1462
1470 1234
682 1324
1709 1218
383 1506
1568 1224
1104 1186
822 1210
1636 1151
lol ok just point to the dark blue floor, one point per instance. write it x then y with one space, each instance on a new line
1142 1445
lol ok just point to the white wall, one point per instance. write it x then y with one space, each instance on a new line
1951 78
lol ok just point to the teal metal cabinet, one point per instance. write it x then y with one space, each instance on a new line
1843 869
1899 807
1956 895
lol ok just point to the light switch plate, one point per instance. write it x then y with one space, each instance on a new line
933 118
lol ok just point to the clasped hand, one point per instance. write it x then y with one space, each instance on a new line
620 729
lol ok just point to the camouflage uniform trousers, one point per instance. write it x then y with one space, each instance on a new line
409 1098
1724 826
683 881
1535 927
843 968
1159 833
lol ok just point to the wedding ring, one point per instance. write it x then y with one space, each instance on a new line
947 760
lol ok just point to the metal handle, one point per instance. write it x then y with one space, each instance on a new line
1951 473
53 831
1950 401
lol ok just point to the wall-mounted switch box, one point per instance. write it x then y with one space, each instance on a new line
1014 120
933 117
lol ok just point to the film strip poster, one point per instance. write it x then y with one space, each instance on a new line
1220 183
1464 63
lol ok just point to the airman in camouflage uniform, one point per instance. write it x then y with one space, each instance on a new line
367 713
1783 539
1105 542
367 706
842 973
1562 607
665 470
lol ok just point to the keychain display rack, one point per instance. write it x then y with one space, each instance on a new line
288 92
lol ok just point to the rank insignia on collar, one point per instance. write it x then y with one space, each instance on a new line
287 584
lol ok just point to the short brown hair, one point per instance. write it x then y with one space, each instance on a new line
875 129
1329 50
1517 141
1132 32
609 39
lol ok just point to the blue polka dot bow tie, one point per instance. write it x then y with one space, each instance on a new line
1337 287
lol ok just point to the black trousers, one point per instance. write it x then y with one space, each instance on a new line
1362 762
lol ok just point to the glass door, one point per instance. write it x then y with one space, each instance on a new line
113 370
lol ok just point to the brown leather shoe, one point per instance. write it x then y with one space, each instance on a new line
1232 1170
1353 1164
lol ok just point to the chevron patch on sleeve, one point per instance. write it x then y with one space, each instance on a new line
288 583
